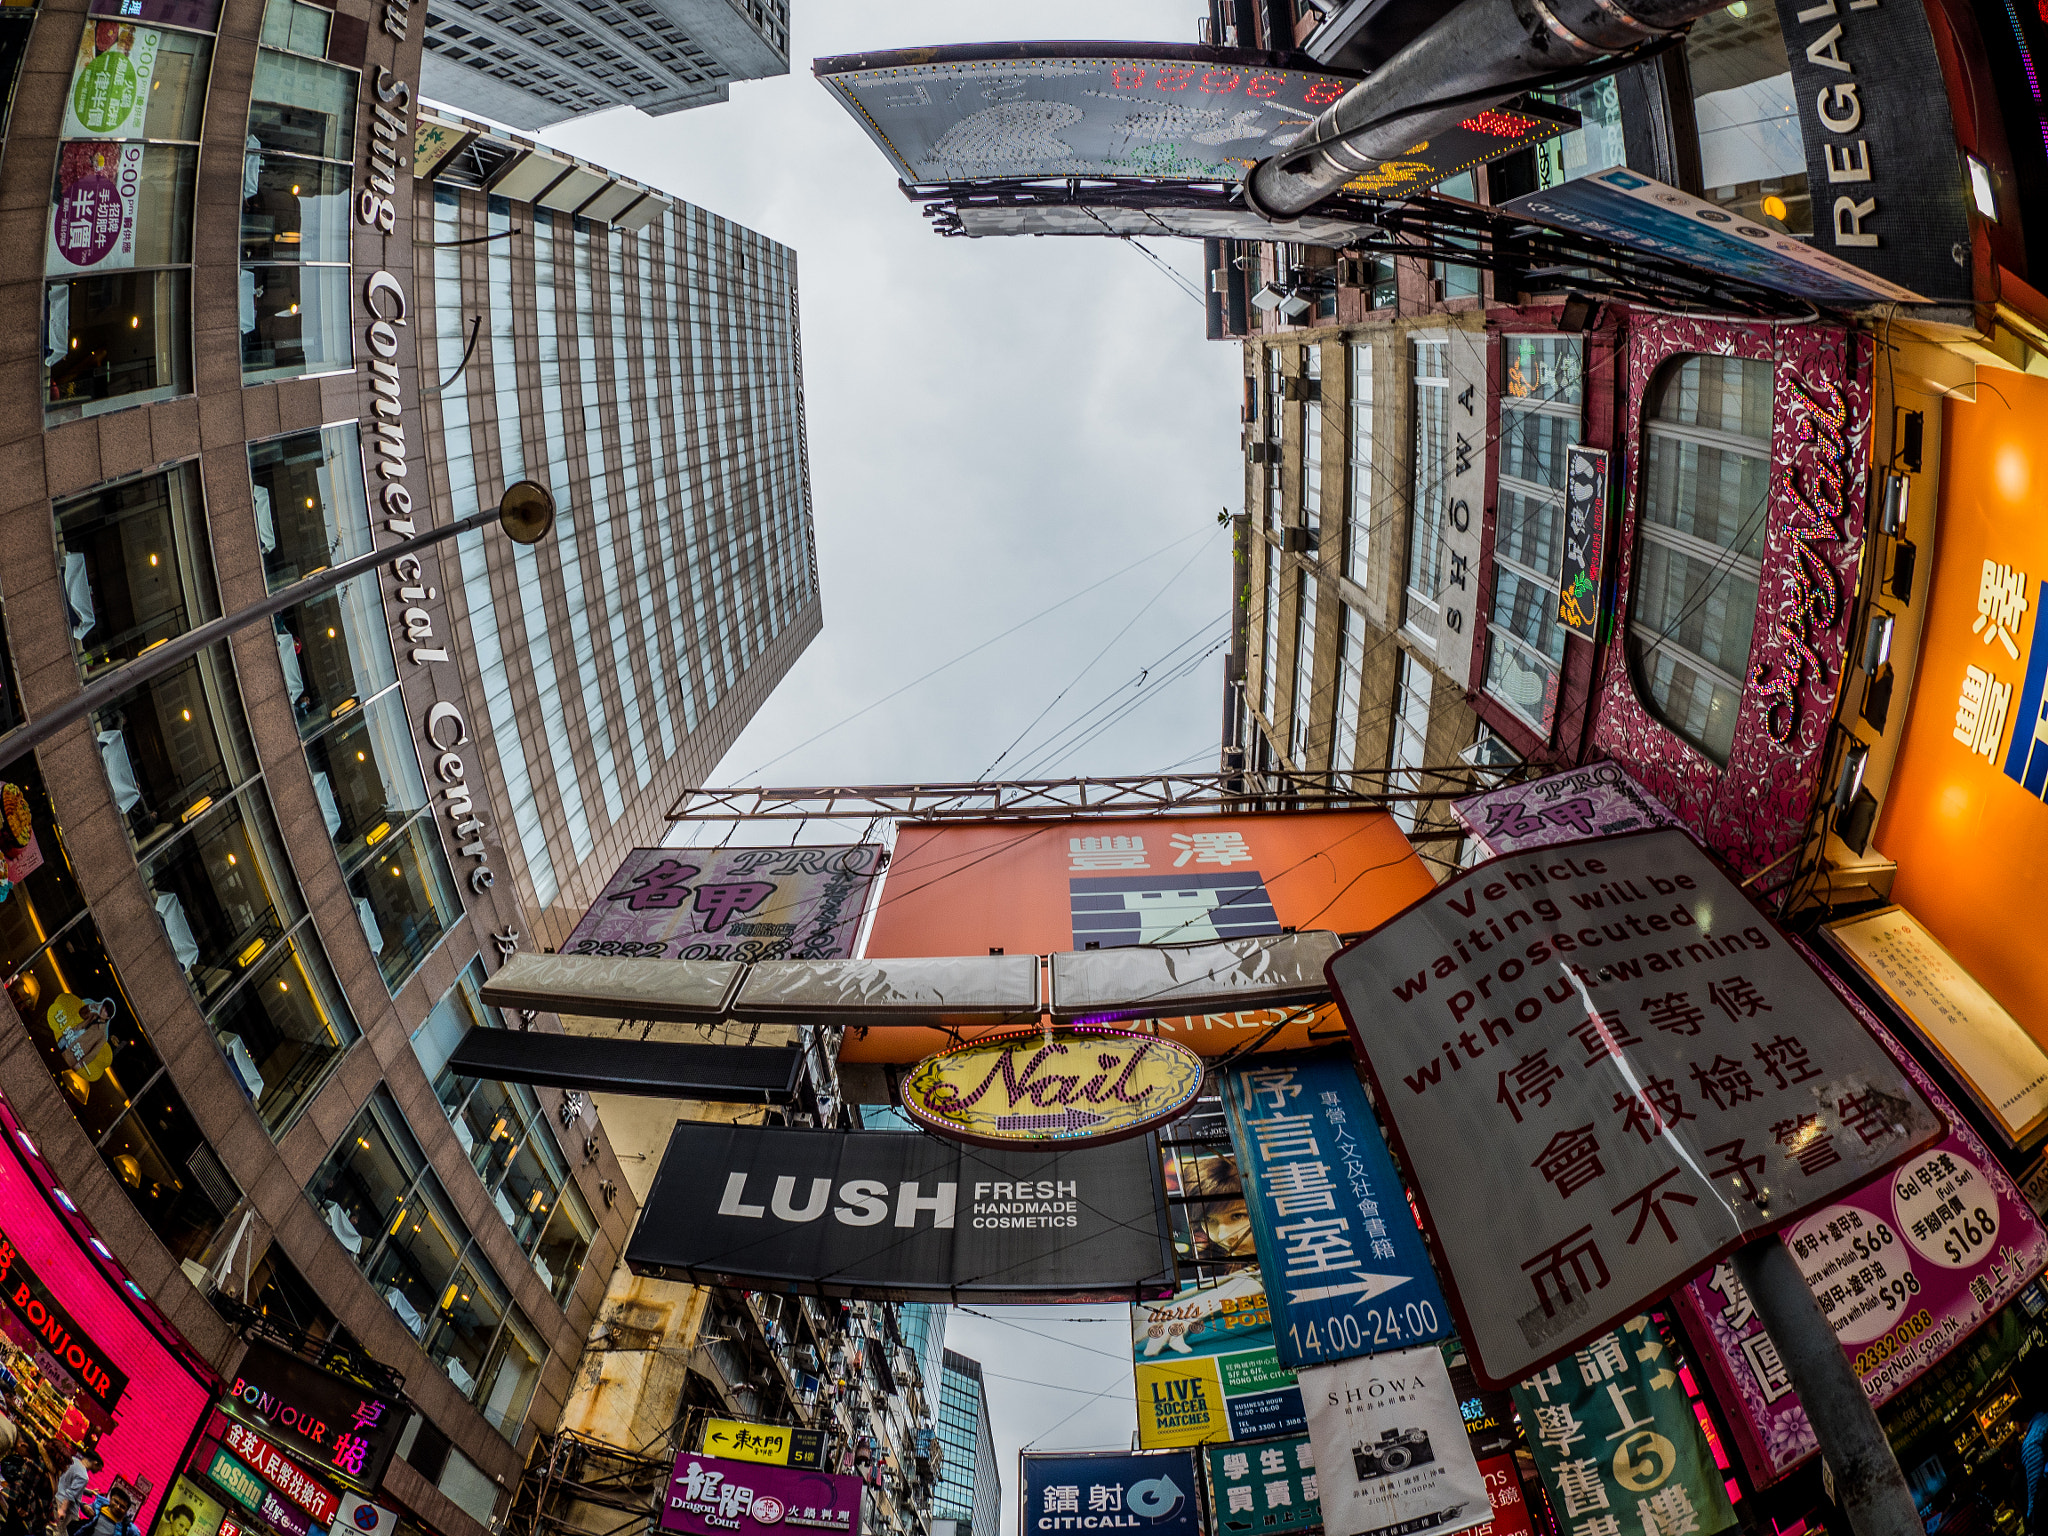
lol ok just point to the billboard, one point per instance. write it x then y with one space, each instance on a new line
898 1216
94 1343
1265 1488
731 904
1392 1453
1124 110
1606 1069
1147 1493
1043 887
1205 1366
709 1497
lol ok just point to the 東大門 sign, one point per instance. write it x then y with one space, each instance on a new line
1071 1087
1606 1069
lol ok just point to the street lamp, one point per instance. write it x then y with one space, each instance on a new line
526 512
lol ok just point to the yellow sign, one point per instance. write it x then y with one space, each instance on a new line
1180 1402
776 1444
1075 1086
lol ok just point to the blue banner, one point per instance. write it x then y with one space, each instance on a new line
1345 1268
1149 1493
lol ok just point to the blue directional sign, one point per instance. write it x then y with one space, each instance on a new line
1345 1268
1146 1493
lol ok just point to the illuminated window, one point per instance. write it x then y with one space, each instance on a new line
1752 158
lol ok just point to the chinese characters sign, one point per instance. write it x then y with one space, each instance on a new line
348 1429
710 1497
110 83
92 220
1606 1068
1595 801
1205 1366
1616 1442
774 1444
731 904
282 1473
1151 1493
1268 1487
1585 540
1391 1448
1346 1272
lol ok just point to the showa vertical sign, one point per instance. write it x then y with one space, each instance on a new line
1605 1068
1346 1272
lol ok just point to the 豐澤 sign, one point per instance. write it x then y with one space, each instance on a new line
1068 1087
1606 1069
1205 1366
1146 1493
1392 1453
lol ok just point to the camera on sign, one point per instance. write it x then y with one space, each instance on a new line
1396 1451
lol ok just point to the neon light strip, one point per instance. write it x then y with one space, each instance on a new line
2027 62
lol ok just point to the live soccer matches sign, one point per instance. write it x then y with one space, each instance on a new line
1605 1069
1346 1272
1205 1366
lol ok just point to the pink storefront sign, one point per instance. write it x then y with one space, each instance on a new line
1597 800
711 1497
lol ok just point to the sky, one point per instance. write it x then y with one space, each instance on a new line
995 425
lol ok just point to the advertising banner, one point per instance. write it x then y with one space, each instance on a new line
709 1497
1504 1493
191 1510
1597 800
1905 1269
1460 486
1390 1446
731 904
110 83
776 1445
1346 1271
341 1426
1270 1487
1585 540
1206 1369
1595 1060
252 1493
1647 215
1042 887
1147 1493
282 1473
894 1215
92 217
1007 1090
1616 1440
93 1342
1153 110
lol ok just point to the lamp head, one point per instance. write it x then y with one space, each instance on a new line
526 511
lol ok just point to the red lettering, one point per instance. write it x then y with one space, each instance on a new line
1172 79
1220 82
1265 85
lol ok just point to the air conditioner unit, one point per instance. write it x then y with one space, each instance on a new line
1268 299
1298 540
1219 280
1257 452
1295 305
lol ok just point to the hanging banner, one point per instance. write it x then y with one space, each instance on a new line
1346 1271
1597 800
1270 1487
731 904
1596 1060
1205 1367
1391 1450
92 217
1074 1086
110 83
1037 888
1585 540
1905 1268
893 1215
709 1497
1616 1440
1458 482
1149 1493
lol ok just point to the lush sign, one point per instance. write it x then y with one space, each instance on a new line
1070 1086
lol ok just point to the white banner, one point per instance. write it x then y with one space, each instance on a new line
1464 472
1392 1454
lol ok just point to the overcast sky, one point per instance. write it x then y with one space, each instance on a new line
994 425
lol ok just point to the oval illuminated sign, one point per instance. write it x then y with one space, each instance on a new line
1073 1087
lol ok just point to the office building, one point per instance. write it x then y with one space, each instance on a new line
250 901
534 62
970 1491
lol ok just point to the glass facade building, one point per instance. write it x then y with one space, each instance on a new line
970 1491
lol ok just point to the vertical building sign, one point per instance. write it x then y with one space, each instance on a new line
1464 493
1585 540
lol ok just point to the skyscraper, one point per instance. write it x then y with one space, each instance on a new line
970 1491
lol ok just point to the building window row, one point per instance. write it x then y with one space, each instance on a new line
1419 611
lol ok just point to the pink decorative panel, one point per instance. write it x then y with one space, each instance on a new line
1754 811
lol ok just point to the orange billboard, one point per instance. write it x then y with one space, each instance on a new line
1041 887
1964 815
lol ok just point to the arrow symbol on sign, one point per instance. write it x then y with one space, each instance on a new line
1066 1120
1365 1287
1663 1378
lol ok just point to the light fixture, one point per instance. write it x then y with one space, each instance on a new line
231 858
256 947
135 322
1877 641
1982 192
152 558
196 807
188 714
398 1220
378 833
1775 207
1855 758
1891 514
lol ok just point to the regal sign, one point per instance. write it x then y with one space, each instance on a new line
1072 1087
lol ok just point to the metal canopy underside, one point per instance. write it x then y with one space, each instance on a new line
664 1069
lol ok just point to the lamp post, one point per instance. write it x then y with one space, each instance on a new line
526 512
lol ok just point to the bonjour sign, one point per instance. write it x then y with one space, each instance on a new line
1070 1087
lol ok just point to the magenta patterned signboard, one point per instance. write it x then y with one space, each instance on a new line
710 1497
732 904
1753 811
1905 1267
1594 801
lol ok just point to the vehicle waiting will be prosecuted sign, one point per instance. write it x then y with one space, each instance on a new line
1606 1068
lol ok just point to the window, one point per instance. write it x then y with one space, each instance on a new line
1276 410
1459 281
1426 499
136 565
1269 695
1350 680
1541 399
1312 442
388 1210
1704 500
1301 714
174 745
1752 160
1358 534
310 512
294 277
1409 750
1596 145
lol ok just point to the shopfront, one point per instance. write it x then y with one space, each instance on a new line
95 1363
